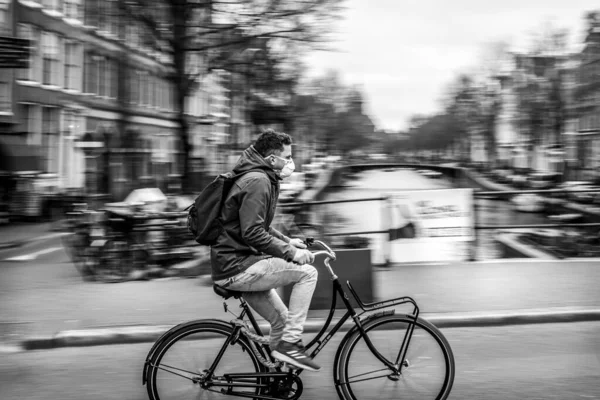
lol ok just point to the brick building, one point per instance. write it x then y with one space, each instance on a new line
92 79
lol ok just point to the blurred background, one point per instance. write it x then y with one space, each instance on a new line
425 148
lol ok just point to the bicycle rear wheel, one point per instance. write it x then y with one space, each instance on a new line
178 364
428 371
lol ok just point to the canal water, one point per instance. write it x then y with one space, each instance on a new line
368 215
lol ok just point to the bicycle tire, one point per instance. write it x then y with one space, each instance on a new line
213 330
349 347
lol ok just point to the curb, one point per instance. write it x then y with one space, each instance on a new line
149 334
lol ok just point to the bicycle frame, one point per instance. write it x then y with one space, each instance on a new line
350 313
232 381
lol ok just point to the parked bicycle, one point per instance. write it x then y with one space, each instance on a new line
84 227
383 356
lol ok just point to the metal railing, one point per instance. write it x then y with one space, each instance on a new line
477 226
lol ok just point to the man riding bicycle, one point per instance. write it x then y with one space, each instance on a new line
252 257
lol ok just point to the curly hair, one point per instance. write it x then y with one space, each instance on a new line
270 142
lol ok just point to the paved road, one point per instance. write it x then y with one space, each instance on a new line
45 294
550 361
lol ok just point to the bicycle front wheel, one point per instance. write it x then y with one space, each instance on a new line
176 369
427 372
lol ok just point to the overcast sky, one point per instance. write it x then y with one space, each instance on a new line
405 52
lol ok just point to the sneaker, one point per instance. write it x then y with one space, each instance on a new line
295 354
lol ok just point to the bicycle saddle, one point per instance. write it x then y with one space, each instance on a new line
225 293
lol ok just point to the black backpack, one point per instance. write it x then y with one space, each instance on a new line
203 219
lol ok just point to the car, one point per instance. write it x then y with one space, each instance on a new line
528 203
520 181
544 180
575 193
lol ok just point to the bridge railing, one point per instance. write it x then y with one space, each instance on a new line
478 194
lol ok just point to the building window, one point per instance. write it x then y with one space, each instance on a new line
151 85
52 5
50 137
102 76
34 71
134 86
132 34
91 11
108 20
72 66
34 124
157 86
5 26
90 79
113 17
159 93
102 15
50 59
170 96
72 9
114 79
5 90
144 88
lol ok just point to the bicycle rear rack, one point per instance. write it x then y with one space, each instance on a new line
382 304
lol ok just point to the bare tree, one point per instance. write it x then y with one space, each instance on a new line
475 104
541 105
204 35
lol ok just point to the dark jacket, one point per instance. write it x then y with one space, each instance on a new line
247 215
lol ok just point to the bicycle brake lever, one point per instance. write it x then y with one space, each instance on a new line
309 241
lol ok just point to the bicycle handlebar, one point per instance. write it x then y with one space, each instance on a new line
327 252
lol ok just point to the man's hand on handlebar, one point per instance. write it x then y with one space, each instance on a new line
303 256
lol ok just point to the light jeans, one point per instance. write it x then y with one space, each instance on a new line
258 284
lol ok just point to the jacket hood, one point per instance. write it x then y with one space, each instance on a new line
251 159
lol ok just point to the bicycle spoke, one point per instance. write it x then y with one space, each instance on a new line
414 385
367 373
175 373
415 347
368 379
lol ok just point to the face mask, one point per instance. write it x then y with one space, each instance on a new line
287 170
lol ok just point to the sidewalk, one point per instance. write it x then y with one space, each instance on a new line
466 294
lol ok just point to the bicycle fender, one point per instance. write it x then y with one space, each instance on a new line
351 331
170 332
365 320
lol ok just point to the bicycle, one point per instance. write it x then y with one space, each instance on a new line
259 376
